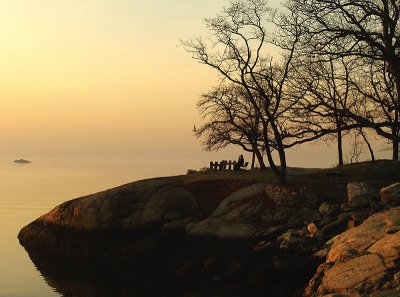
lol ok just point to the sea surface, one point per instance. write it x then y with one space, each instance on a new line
29 190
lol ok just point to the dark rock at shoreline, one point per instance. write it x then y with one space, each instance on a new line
219 237
157 229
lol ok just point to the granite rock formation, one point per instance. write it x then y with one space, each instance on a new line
362 260
238 237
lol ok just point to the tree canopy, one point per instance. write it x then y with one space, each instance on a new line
325 67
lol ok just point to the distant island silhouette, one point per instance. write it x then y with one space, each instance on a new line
22 161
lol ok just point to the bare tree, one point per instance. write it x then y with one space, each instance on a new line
368 143
357 147
327 91
237 47
367 29
375 84
230 118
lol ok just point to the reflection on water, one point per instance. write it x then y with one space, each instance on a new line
72 285
77 278
27 192
76 288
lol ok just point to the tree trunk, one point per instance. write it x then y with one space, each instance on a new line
260 160
253 159
371 151
340 148
395 146
394 66
282 159
271 162
282 175
279 171
282 155
395 134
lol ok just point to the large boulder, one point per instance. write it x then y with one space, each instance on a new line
327 209
360 273
360 194
164 205
236 216
241 214
130 207
245 204
292 239
362 260
391 194
296 205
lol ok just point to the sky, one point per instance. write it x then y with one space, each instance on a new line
102 78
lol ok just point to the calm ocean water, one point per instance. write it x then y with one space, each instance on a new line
30 190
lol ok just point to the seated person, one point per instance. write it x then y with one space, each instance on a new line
239 163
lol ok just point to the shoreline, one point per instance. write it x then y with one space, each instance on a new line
236 232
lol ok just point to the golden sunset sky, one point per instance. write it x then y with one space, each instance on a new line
97 78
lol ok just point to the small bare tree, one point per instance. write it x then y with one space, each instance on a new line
357 147
230 118
368 143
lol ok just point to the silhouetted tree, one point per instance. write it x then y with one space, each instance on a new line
368 143
230 118
368 30
237 47
327 91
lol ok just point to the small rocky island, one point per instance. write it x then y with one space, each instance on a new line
22 161
228 234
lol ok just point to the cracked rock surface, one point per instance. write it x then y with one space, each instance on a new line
362 260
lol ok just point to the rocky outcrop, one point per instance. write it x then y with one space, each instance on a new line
222 229
391 194
241 214
360 194
362 260
286 201
327 209
232 204
167 204
235 215
131 207
234 234
161 228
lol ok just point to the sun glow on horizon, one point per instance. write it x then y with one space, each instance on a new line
79 70
100 77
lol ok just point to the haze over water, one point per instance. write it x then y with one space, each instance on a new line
30 190
97 93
